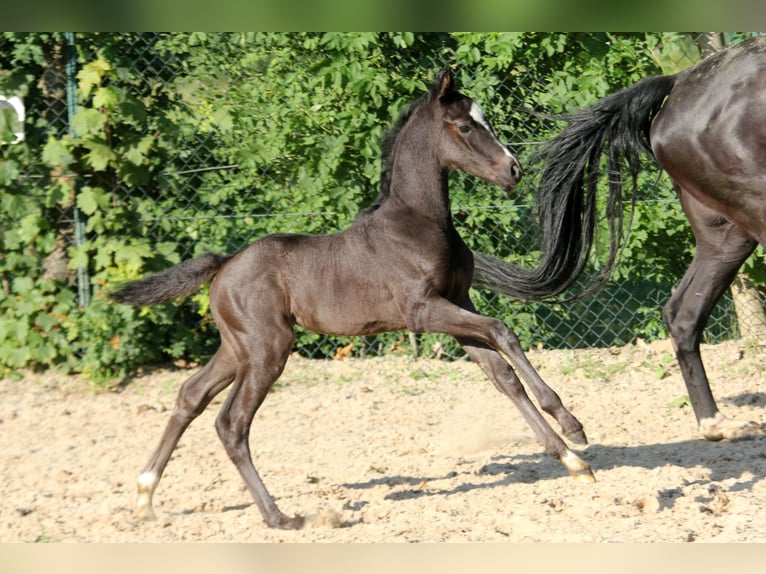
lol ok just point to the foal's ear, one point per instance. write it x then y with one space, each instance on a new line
444 84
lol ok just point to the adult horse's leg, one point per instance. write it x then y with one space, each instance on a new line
482 337
195 394
722 247
264 356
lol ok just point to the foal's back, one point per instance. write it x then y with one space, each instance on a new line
340 283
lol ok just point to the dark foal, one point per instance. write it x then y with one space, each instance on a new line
400 265
706 126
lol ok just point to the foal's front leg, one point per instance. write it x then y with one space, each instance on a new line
546 397
502 375
484 338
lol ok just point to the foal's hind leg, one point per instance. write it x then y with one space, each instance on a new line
195 394
267 352
721 249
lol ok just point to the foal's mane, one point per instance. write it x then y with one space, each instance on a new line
387 149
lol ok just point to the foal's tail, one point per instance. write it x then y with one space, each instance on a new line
180 280
617 125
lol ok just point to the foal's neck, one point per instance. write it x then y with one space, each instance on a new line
418 180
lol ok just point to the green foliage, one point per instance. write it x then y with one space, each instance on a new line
679 402
301 117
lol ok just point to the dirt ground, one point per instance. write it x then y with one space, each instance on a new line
395 450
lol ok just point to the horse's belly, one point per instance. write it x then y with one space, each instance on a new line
348 314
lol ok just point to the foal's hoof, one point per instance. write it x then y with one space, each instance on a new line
146 516
145 513
577 437
585 476
286 523
578 468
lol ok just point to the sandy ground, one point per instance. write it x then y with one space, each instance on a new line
394 450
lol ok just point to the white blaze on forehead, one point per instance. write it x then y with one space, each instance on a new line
478 117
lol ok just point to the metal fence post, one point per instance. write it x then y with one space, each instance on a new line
83 279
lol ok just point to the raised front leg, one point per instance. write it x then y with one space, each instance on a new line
484 338
502 375
721 249
547 398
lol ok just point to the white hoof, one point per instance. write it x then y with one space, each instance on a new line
147 482
721 428
577 467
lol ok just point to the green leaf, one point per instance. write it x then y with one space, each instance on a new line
87 122
106 97
91 74
100 155
137 152
222 119
58 193
22 285
15 206
56 152
78 257
29 228
89 199
9 125
9 172
680 402
18 356
45 321
133 255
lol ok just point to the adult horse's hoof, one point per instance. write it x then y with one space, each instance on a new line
584 476
721 428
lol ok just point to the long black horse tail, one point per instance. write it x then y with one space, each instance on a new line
180 280
617 125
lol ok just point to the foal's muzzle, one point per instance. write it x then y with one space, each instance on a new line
513 174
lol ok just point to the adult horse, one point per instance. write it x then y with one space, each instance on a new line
706 127
401 264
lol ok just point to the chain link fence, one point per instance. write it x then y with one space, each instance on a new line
626 309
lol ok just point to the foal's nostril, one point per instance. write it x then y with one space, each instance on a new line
515 170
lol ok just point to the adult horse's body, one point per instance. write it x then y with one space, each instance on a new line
707 129
401 264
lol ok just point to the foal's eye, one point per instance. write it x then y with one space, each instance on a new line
465 128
